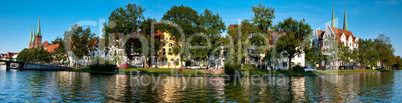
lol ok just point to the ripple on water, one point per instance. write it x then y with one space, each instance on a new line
48 86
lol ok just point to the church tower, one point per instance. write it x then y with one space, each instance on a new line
345 22
38 36
31 39
35 39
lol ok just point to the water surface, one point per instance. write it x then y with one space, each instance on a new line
64 86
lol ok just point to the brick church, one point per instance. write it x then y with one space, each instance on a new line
35 39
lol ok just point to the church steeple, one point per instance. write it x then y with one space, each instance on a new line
30 36
333 17
39 32
345 22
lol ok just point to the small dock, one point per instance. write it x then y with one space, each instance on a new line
20 65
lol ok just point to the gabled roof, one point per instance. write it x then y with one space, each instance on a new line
45 44
320 33
52 47
338 33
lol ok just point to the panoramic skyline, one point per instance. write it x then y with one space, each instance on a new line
366 19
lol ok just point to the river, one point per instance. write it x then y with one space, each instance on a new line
65 86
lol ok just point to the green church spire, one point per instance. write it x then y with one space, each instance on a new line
30 36
333 17
345 22
39 32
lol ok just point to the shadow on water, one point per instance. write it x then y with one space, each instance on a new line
65 86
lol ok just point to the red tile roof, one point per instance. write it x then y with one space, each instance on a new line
320 33
8 55
45 44
52 47
338 33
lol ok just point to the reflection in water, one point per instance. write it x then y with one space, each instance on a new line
64 86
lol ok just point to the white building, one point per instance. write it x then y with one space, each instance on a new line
329 38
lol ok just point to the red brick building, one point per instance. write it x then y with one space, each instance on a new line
35 39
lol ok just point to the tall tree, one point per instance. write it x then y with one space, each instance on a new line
189 22
367 54
385 50
82 41
125 20
344 53
263 17
60 52
290 44
214 27
185 17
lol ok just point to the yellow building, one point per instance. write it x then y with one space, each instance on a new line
167 59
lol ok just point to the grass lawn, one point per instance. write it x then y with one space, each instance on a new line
350 71
149 71
163 71
288 72
277 72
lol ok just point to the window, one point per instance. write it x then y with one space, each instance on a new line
170 38
164 61
164 44
284 64
171 60
163 51
170 45
170 50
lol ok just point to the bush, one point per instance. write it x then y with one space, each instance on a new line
231 68
298 68
102 67
249 67
106 66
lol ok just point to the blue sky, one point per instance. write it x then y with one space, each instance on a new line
366 18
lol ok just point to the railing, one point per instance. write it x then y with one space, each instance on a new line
12 59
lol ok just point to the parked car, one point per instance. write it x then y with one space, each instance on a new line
309 70
124 65
138 65
193 67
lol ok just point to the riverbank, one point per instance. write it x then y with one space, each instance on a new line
145 71
193 72
318 72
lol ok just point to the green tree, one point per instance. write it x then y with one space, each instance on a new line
125 20
35 55
385 50
189 22
59 53
398 62
271 57
296 32
263 17
82 41
313 55
344 53
214 27
24 55
367 54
